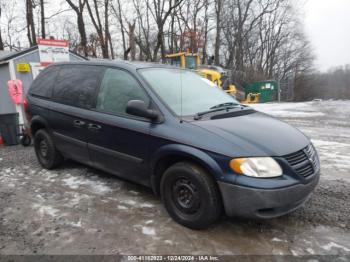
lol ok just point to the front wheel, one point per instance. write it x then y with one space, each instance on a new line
190 195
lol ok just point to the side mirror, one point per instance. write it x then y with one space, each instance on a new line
139 108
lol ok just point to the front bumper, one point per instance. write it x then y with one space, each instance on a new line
264 203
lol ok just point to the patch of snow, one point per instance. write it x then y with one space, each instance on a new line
46 210
72 182
77 198
0 159
294 114
120 207
100 189
277 252
289 109
331 245
294 253
77 224
94 186
276 239
40 197
148 231
328 144
149 222
310 250
129 202
146 205
169 242
333 154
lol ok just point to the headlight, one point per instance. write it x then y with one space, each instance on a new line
263 167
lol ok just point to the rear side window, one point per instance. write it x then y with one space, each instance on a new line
76 85
43 84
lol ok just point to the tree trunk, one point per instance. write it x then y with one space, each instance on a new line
79 10
118 14
132 44
218 32
172 33
1 40
82 33
30 23
42 13
204 52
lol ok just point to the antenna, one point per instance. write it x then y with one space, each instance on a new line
181 109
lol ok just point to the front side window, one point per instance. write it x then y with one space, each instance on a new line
186 93
117 89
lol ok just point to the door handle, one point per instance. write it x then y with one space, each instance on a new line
94 127
79 123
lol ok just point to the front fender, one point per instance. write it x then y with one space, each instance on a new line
187 152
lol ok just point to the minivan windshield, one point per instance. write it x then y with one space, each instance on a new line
197 93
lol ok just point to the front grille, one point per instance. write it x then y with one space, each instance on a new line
304 162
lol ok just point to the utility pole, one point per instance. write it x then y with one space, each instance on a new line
279 90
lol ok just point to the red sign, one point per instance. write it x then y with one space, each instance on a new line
52 51
60 43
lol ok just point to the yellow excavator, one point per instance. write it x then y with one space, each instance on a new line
215 74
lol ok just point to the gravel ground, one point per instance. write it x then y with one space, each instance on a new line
80 210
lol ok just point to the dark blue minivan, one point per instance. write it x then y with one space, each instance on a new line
174 131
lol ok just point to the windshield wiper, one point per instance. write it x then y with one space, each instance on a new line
199 115
225 105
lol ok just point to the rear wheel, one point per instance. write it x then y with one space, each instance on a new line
48 156
190 195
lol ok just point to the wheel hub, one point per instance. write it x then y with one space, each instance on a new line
185 195
43 148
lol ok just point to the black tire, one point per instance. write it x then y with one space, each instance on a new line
26 140
48 156
190 195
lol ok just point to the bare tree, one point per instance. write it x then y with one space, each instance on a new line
255 39
101 30
79 10
144 38
118 14
161 10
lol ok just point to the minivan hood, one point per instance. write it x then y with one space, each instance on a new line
257 134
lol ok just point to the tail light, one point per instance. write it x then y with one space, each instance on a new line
26 109
26 105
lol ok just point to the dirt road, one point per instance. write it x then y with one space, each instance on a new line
79 210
